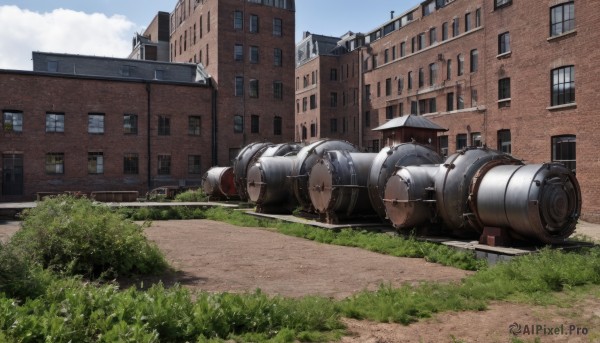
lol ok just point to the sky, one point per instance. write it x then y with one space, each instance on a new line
106 27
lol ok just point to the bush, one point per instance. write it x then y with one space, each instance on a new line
191 196
79 237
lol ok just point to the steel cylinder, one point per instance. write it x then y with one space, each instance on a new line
338 183
453 182
306 158
218 182
269 184
539 202
241 163
409 196
387 162
282 149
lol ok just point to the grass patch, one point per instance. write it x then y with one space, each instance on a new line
191 196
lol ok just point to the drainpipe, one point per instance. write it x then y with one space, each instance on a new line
148 139
360 98
215 160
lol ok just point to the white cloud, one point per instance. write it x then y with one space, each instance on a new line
62 31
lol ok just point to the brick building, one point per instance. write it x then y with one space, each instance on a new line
84 123
246 46
513 75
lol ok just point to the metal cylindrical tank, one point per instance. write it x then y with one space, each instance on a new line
387 162
218 182
306 158
452 184
269 184
409 196
241 163
540 202
338 184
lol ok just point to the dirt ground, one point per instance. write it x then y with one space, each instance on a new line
215 256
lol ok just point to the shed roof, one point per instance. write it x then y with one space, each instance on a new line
410 120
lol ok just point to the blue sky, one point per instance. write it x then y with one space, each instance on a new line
39 25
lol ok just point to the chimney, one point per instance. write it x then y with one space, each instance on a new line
391 14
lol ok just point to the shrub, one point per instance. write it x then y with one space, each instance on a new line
191 196
77 236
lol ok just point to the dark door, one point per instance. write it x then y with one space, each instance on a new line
12 174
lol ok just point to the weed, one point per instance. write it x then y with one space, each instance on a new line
191 196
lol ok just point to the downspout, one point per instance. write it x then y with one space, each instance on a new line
148 139
215 160
360 98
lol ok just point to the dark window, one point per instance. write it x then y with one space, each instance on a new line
333 125
208 22
194 125
333 102
277 27
393 55
313 130
131 164
414 108
164 164
443 145
432 74
410 80
461 141
238 124
413 44
401 109
388 86
313 102
278 90
277 124
304 104
253 88
564 150
378 89
444 31
95 123
467 22
474 97
448 69
504 89
563 85
194 164
502 3
461 64
130 123
478 17
277 57
460 102
55 163
450 102
238 20
400 84
253 54
421 41
503 43
432 105
239 86
455 27
238 52
562 19
402 49
368 118
254 124
164 126
333 74
367 92
386 56
95 163
389 112
55 122
504 141
476 139
474 60
421 78
253 23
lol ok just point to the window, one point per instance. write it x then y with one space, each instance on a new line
378 89
443 145
432 103
334 100
333 125
503 43
159 74
52 66
195 37
432 36
254 124
386 56
313 130
313 101
444 31
95 163
502 3
401 109
413 44
476 139
304 104
277 27
126 70
410 80
421 41
367 92
238 20
253 54
194 125
238 124
467 22
239 86
164 164
421 78
96 123
333 74
277 90
450 102
455 27
400 84
375 145
55 122
402 49
131 164
432 74
448 69
389 112
460 102
208 22
277 57
461 64
388 86
478 17
13 121
368 119
164 126
374 60
474 97
277 124
414 108
562 18
253 23
504 89
564 150
130 123
563 85
393 56
55 163
238 52
241 14
461 141
194 166
504 143
474 60
253 88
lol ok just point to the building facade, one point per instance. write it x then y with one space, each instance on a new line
153 44
246 46
84 123
513 75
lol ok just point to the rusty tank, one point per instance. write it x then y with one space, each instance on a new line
218 183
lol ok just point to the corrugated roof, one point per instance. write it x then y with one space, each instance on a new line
410 120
